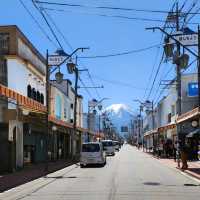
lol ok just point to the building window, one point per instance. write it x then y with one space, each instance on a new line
29 91
42 99
34 94
38 96
3 71
4 43
65 113
58 111
173 110
169 117
72 105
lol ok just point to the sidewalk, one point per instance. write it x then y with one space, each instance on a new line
29 173
193 166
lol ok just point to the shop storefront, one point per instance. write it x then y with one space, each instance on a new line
190 133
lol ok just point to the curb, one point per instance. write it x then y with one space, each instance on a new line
192 174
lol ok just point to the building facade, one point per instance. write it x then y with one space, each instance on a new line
22 75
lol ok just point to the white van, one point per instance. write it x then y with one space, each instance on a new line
92 153
116 145
108 147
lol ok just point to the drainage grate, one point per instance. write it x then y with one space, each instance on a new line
191 184
152 183
56 177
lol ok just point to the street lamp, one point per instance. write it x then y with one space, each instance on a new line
59 77
150 108
61 58
93 104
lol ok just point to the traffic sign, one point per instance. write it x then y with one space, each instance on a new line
55 60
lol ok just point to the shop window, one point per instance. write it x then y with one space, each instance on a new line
29 92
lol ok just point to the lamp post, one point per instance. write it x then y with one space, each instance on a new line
93 104
149 105
57 60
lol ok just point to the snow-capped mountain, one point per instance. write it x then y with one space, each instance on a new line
120 115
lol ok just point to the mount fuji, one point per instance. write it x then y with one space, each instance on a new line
120 115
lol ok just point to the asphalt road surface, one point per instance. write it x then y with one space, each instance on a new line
129 175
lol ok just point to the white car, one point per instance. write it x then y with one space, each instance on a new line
92 153
108 147
116 145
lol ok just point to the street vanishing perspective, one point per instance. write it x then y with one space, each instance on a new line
100 100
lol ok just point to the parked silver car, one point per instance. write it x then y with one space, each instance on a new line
108 147
92 153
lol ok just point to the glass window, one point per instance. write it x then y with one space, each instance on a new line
90 148
107 143
58 111
4 43
3 71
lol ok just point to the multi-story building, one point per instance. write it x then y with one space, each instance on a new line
22 101
62 109
165 113
23 116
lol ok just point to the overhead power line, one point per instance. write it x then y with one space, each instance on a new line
37 23
85 87
65 40
120 54
59 31
158 69
48 24
104 7
116 82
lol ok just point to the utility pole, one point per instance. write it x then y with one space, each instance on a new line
198 66
178 88
153 126
75 108
47 113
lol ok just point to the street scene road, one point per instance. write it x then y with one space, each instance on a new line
100 100
130 174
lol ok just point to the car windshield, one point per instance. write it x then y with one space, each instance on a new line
107 143
116 143
90 148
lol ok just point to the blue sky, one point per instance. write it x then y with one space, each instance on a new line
124 77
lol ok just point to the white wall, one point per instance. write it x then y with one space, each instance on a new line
19 76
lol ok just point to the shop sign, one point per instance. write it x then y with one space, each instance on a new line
55 60
186 39
192 89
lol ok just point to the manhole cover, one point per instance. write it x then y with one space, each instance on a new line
72 177
190 184
151 183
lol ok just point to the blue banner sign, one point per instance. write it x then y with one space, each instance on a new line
192 89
